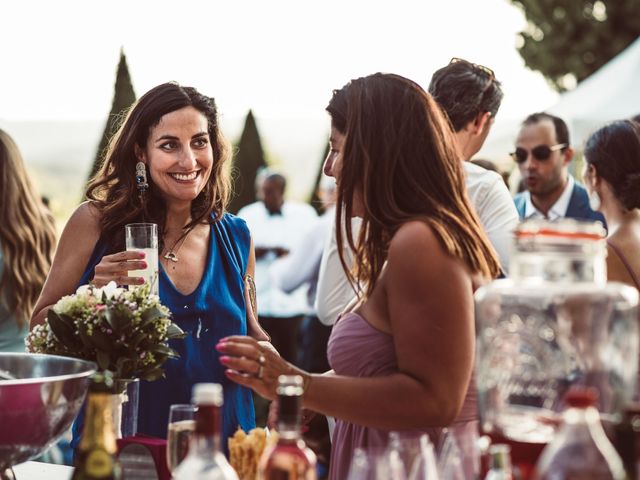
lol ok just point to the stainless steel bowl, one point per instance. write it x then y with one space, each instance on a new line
38 404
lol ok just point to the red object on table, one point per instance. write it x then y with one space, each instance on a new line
157 448
523 455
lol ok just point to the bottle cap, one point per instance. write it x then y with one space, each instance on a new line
581 397
207 394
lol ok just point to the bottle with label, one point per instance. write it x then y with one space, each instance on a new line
580 448
96 455
289 459
205 460
500 462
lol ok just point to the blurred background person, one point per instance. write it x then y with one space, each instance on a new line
277 226
470 95
543 154
27 243
612 178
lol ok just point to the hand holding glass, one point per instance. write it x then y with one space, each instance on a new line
143 237
182 424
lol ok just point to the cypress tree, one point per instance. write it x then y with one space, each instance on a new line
123 98
248 159
315 201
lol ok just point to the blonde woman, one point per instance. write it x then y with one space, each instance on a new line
27 242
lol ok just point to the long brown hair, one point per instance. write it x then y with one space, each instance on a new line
27 234
400 155
114 190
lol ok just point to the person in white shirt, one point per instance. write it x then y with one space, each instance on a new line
543 154
277 227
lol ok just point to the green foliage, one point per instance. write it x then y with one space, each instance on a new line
248 159
315 201
123 98
568 40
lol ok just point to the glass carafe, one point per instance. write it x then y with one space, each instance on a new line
554 324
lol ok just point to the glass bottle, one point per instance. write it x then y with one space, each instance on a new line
627 440
580 449
289 459
205 461
96 455
554 323
500 455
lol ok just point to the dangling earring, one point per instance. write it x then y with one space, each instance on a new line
141 177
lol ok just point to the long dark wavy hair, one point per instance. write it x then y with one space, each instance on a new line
27 235
399 153
113 189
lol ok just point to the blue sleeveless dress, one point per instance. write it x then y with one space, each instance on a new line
216 309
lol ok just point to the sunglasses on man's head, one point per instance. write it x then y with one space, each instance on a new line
486 70
541 152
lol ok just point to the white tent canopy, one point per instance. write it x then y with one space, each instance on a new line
611 93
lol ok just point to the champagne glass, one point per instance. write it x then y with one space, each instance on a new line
182 424
143 237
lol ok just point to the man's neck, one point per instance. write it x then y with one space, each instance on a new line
544 202
463 142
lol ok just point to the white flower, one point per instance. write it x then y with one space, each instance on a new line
84 290
65 304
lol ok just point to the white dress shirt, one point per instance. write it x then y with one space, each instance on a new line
494 206
283 230
557 210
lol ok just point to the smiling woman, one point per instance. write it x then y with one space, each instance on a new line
173 132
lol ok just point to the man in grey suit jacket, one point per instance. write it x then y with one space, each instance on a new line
543 153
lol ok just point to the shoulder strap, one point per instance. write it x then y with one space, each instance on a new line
626 263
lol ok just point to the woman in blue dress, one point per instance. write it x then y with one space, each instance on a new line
206 258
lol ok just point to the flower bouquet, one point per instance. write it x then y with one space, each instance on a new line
124 331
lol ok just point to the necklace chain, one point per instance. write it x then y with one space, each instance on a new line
172 254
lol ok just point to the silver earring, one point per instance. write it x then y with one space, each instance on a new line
141 177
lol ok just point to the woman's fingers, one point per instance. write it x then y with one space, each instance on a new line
116 268
242 364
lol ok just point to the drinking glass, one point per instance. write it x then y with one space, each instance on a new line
143 237
182 424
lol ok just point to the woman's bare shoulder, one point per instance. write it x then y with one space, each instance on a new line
84 224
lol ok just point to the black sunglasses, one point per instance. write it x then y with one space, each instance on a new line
541 152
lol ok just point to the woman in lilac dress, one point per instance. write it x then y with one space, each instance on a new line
402 357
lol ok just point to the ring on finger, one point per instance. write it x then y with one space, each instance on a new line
261 359
260 371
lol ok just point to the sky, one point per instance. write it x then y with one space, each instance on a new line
279 58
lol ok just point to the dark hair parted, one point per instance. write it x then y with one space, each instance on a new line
113 189
464 91
614 151
400 156
562 131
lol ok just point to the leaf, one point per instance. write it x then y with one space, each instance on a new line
104 360
153 375
174 332
135 341
117 319
164 350
150 315
64 332
101 341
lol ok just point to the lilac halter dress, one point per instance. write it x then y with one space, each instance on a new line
357 349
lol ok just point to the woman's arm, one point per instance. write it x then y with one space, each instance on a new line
76 244
79 238
430 307
253 326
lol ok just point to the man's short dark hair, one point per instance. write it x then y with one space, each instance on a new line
465 90
562 132
278 179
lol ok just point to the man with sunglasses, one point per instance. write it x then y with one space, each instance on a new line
470 95
543 154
